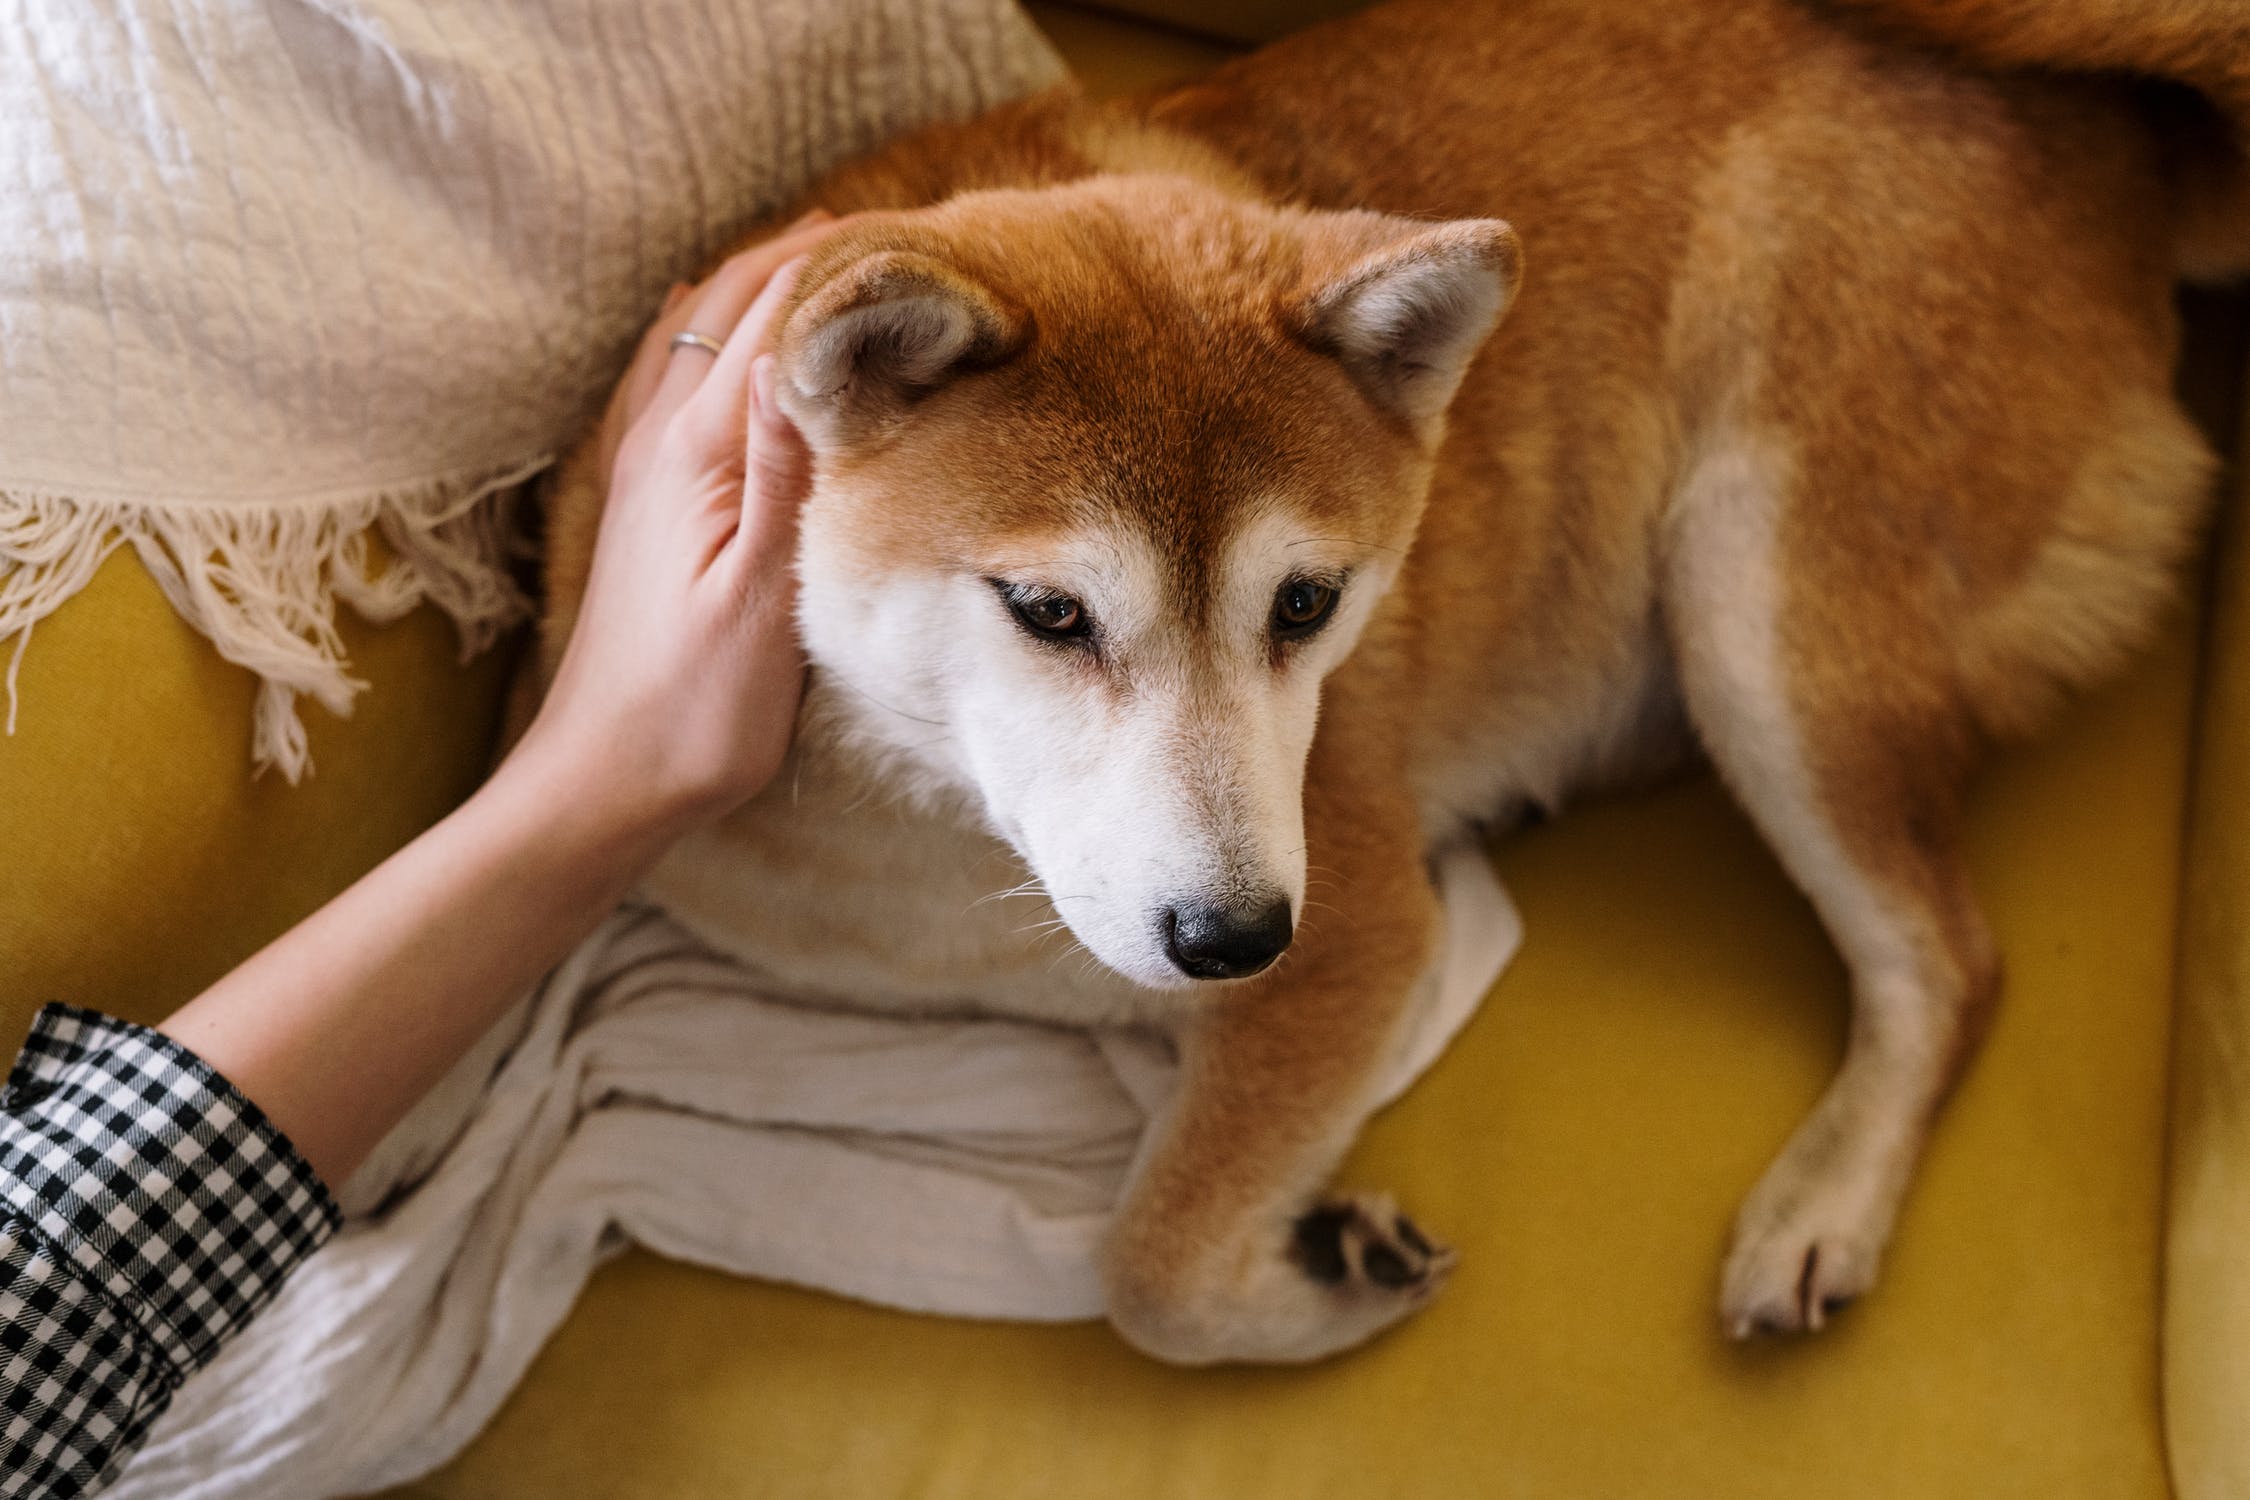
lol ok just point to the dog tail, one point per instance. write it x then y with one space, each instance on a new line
2197 47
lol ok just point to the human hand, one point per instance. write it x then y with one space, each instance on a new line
678 690
674 701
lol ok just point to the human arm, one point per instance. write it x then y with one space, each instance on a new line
674 700
158 1186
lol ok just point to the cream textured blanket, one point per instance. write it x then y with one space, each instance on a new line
959 1166
273 272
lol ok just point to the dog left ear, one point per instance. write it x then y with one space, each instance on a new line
886 329
1407 316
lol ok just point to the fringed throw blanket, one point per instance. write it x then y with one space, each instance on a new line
653 1095
277 273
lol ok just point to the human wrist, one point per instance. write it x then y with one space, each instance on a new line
603 824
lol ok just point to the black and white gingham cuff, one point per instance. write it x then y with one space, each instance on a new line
156 1179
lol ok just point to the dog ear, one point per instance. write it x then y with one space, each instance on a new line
1407 316
886 329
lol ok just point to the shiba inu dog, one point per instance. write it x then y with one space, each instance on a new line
1189 555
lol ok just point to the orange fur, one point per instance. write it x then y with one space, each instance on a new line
1831 435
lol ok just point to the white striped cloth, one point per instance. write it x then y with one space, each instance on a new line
653 1094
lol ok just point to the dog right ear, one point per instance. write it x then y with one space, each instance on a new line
881 333
1412 306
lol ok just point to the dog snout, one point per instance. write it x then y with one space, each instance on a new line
1227 940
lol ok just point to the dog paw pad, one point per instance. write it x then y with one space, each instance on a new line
1367 1241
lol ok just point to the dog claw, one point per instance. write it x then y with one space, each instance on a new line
1413 1237
1822 1280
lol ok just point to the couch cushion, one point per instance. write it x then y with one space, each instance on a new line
1674 1012
2206 1335
141 860
1112 54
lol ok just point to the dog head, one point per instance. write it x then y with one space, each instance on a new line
1109 478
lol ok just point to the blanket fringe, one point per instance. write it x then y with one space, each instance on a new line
261 581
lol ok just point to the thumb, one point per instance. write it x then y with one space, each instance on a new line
777 474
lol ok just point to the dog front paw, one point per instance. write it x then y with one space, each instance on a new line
1345 1271
1363 1244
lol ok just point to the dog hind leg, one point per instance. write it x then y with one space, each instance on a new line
1851 767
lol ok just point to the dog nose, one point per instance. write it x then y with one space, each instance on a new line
1227 942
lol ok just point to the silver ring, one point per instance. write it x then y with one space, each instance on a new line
694 340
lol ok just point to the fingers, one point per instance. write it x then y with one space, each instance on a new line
714 409
755 331
638 383
655 355
653 352
779 473
718 306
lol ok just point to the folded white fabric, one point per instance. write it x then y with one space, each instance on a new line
273 272
950 1166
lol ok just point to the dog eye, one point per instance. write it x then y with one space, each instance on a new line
1057 614
1048 615
1301 606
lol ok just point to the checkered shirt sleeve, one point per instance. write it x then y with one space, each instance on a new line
147 1212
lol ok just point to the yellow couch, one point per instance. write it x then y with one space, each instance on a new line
1673 1012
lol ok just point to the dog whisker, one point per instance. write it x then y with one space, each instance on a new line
1028 888
854 687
